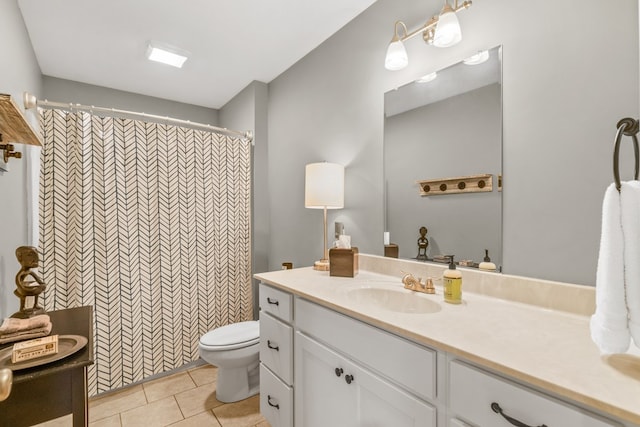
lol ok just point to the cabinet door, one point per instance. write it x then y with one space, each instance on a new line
351 396
321 398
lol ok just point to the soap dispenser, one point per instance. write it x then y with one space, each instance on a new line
487 265
452 281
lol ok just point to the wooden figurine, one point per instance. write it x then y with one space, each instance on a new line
28 284
423 243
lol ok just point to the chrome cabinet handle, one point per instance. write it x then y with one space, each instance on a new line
498 410
274 302
275 405
348 378
275 347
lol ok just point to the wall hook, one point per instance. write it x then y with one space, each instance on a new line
9 151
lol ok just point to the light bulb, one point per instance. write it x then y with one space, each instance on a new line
448 31
397 57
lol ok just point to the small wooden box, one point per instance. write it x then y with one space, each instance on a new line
391 250
343 262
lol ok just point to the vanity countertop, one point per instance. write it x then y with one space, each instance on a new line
550 349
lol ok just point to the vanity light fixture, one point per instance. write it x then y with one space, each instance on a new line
442 30
324 189
478 58
166 54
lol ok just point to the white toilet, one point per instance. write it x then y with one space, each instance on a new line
234 349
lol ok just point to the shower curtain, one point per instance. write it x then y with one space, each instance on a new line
150 224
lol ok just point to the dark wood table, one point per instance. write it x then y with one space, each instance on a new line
55 389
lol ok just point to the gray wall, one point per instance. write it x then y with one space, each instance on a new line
458 136
564 89
248 111
60 90
19 72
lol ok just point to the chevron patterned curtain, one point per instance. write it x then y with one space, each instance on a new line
149 224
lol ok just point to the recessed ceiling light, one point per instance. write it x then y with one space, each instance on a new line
166 54
427 78
478 58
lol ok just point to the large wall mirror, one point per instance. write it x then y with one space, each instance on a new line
446 125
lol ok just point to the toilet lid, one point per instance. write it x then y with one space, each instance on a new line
236 335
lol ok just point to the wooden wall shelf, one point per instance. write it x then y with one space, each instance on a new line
13 125
456 185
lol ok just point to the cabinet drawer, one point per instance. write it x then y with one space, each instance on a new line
276 399
276 347
406 363
276 302
472 393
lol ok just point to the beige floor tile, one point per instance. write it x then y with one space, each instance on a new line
206 374
203 419
167 386
66 421
112 421
197 400
156 414
114 403
240 414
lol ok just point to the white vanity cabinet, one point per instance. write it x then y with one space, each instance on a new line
276 356
324 368
348 373
331 390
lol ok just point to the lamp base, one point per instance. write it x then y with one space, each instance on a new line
322 265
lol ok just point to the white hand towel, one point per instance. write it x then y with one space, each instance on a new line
609 324
631 231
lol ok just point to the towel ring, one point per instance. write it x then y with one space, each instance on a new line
628 127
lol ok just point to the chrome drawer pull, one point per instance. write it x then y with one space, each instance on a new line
276 348
275 405
274 302
498 410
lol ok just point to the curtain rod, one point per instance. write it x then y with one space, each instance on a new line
30 101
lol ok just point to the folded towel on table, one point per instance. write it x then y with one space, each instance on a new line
609 324
13 329
12 325
26 335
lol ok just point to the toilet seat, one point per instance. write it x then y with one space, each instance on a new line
233 336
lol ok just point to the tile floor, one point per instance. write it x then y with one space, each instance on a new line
183 399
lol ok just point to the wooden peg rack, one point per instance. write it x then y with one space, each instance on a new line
456 185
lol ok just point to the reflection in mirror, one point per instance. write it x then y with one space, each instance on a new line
438 128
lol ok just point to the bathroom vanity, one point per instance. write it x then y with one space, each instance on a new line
366 351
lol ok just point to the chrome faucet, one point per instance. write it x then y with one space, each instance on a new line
414 284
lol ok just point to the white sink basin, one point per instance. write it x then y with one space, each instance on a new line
398 300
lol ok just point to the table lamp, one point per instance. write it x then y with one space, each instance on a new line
324 189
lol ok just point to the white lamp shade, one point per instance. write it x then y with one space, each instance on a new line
397 57
448 32
324 186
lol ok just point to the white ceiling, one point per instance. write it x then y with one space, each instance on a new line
232 42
